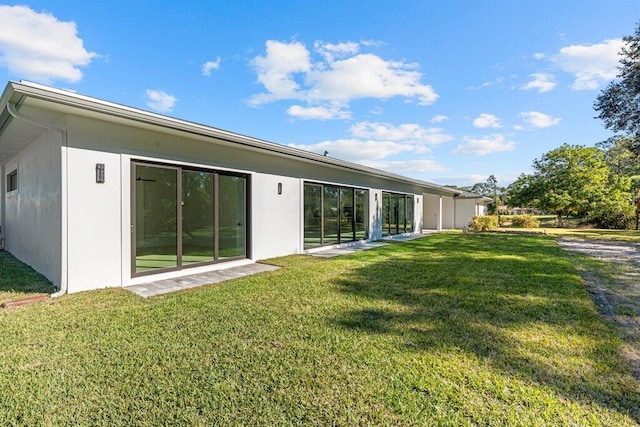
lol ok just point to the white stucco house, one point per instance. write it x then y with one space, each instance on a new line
96 194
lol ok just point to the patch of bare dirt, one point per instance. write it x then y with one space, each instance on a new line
616 293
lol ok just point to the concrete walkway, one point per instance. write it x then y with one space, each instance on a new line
347 249
165 286
194 280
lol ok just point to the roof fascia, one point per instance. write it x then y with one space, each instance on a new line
82 102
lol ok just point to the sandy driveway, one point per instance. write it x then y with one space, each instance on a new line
616 293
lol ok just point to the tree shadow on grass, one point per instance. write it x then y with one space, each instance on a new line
478 294
18 279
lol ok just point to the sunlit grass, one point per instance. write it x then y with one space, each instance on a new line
451 329
548 225
581 233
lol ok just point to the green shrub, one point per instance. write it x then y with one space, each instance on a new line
525 221
613 220
483 223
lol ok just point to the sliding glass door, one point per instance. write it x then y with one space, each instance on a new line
330 229
397 213
183 217
312 215
334 214
156 218
231 216
198 228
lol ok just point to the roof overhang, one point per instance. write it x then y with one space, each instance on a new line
50 104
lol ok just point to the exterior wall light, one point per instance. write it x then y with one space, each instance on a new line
99 173
279 188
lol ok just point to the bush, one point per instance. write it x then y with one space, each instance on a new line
524 221
613 220
483 223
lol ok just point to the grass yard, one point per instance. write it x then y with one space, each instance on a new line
451 329
19 281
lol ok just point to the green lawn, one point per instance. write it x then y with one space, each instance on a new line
19 281
451 329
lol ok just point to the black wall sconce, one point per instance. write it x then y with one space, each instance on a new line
279 188
376 197
99 173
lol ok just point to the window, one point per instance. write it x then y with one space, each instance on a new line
12 181
183 217
334 214
397 213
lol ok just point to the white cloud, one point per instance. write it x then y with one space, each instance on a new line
485 120
332 51
209 66
439 118
160 101
542 82
275 71
373 43
406 133
493 143
536 119
539 55
378 141
40 47
338 75
497 81
591 65
357 150
368 76
318 113
407 166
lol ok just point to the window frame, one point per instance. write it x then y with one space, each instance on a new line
352 233
391 203
12 181
180 265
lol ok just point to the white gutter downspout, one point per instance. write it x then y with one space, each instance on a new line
11 109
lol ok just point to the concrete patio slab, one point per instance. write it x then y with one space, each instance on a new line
159 287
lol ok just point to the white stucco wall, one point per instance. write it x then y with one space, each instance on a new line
448 212
417 214
32 214
465 210
276 219
375 214
94 220
430 211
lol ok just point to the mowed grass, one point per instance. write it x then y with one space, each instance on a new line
451 329
19 281
548 225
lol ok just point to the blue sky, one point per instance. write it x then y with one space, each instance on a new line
448 91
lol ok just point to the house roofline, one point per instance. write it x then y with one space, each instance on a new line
74 100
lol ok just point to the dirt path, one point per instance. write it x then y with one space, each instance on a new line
616 293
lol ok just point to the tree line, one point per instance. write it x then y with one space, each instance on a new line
600 184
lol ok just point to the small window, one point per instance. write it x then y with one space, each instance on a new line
12 181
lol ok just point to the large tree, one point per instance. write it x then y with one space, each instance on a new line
488 188
619 156
570 180
618 105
